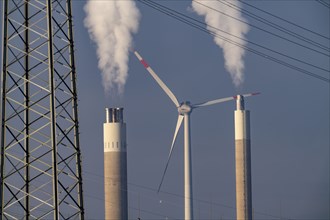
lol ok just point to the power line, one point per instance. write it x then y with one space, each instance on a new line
188 20
154 190
285 20
163 192
261 29
323 3
132 207
273 25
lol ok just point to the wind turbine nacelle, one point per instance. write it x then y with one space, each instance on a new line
185 108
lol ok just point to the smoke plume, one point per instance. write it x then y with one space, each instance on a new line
233 55
110 25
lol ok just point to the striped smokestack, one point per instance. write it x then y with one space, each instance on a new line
115 165
243 161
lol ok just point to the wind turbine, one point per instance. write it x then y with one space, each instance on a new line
184 109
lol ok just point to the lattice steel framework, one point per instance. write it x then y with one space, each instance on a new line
40 154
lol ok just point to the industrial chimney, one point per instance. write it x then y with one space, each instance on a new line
115 165
243 161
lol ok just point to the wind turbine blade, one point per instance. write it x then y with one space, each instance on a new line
158 80
178 125
216 101
250 94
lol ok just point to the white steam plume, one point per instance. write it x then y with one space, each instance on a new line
110 25
233 55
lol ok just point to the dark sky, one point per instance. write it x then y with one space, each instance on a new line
289 120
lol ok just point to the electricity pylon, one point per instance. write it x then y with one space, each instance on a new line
41 175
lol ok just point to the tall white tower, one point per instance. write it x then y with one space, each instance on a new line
115 165
243 161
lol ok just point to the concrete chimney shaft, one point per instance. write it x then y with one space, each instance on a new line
115 165
243 162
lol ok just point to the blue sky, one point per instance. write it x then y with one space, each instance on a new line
289 120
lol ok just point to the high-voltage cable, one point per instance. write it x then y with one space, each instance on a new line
187 20
285 20
325 4
155 190
272 24
264 30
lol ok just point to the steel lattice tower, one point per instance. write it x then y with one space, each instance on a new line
40 154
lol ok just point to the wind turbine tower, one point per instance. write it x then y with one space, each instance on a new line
243 161
115 165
